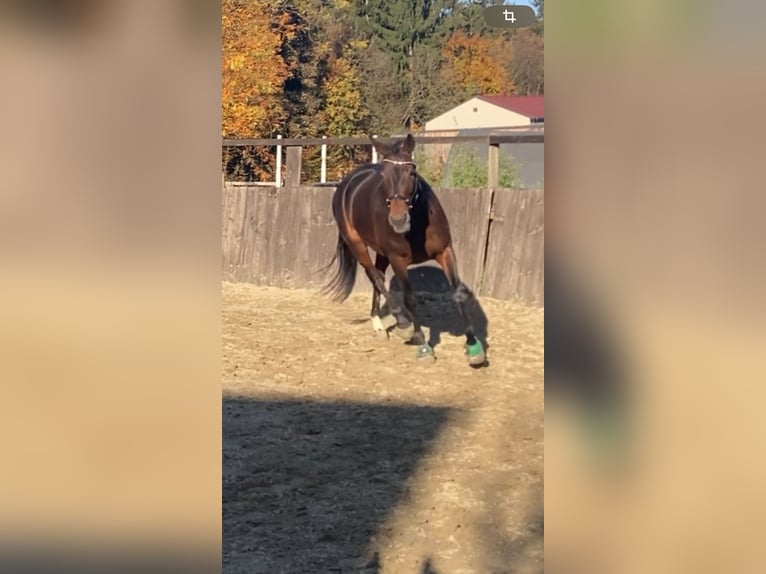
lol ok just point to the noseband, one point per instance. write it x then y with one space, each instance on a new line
408 200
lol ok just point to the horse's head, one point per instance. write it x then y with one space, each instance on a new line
399 180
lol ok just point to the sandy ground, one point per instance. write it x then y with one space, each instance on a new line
342 452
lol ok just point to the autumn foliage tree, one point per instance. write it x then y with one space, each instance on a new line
325 94
307 68
254 71
478 64
254 33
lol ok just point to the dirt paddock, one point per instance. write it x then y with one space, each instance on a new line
342 452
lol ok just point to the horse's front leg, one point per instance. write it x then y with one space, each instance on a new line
414 331
381 264
461 295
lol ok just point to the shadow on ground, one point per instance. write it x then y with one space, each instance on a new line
436 309
306 484
522 553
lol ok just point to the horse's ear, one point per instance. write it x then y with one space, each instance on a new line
382 149
409 144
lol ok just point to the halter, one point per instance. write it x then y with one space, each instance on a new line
398 162
414 196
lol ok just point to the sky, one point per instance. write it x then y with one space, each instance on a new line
522 2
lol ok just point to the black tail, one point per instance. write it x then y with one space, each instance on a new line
342 282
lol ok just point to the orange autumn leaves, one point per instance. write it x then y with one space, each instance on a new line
256 36
254 73
290 68
479 64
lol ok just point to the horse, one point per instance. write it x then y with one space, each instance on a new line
389 208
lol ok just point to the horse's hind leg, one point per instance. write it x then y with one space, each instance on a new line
462 295
381 264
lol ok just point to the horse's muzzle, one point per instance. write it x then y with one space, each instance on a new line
400 224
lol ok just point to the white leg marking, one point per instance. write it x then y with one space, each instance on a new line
377 324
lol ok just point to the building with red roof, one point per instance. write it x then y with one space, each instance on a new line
491 111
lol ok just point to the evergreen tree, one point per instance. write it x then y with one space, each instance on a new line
405 30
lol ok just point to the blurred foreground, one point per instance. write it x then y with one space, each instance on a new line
109 287
654 204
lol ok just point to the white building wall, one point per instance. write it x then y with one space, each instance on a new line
476 113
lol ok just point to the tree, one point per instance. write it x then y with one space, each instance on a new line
382 90
477 64
527 67
254 72
325 95
539 26
432 92
343 99
402 29
347 67
468 16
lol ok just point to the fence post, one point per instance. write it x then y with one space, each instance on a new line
294 153
493 166
374 152
278 176
323 174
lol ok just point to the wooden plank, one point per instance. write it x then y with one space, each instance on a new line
304 207
238 231
255 238
280 236
527 253
467 211
496 256
518 241
323 235
493 166
531 136
317 240
515 247
294 265
293 166
534 260
516 138
231 234
277 208
232 221
503 245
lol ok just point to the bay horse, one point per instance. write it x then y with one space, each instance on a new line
389 208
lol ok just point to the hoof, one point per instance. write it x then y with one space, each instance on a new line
377 325
425 351
405 333
475 354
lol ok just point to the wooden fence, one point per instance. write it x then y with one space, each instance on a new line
436 141
284 236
